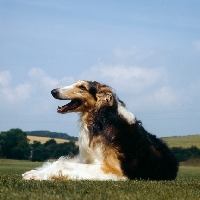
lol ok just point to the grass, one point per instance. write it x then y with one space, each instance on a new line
13 167
191 162
186 186
183 141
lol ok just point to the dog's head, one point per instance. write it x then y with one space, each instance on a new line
84 96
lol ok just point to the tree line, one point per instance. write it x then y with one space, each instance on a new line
183 154
14 144
52 135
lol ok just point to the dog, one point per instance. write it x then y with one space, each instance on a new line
113 144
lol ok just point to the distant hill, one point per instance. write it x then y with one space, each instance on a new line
174 141
183 141
52 135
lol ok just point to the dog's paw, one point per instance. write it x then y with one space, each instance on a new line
34 175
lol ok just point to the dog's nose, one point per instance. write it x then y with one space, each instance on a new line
54 93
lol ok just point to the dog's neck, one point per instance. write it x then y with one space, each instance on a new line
86 154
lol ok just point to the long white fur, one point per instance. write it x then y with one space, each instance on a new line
66 169
86 154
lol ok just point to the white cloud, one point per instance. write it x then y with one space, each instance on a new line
125 71
165 96
39 77
13 94
121 72
5 78
38 74
23 91
35 89
137 85
124 78
20 92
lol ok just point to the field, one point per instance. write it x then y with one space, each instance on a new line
187 186
183 141
175 141
44 139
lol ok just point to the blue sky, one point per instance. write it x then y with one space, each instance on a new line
149 51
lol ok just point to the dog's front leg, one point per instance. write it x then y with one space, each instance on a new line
77 171
69 171
46 172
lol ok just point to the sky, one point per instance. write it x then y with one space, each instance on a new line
148 51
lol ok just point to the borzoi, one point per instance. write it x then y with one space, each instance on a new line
113 145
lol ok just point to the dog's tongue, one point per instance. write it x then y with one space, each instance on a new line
70 106
62 109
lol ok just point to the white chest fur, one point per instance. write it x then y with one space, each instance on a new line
87 155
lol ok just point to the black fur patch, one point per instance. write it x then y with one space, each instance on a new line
144 155
93 88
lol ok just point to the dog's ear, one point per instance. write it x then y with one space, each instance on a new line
105 98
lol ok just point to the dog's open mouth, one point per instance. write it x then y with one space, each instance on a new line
73 104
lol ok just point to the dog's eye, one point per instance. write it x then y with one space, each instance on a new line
82 87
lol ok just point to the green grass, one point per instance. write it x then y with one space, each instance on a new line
187 186
183 141
8 166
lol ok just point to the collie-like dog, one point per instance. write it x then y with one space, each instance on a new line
113 145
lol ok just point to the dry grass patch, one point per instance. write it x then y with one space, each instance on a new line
44 139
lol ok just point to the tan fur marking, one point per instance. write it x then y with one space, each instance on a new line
104 96
96 141
111 164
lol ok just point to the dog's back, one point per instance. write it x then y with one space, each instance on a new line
140 154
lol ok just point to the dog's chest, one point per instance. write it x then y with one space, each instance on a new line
87 154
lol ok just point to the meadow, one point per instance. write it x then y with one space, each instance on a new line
183 141
186 186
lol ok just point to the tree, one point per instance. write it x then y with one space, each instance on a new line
2 145
15 144
51 149
40 153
